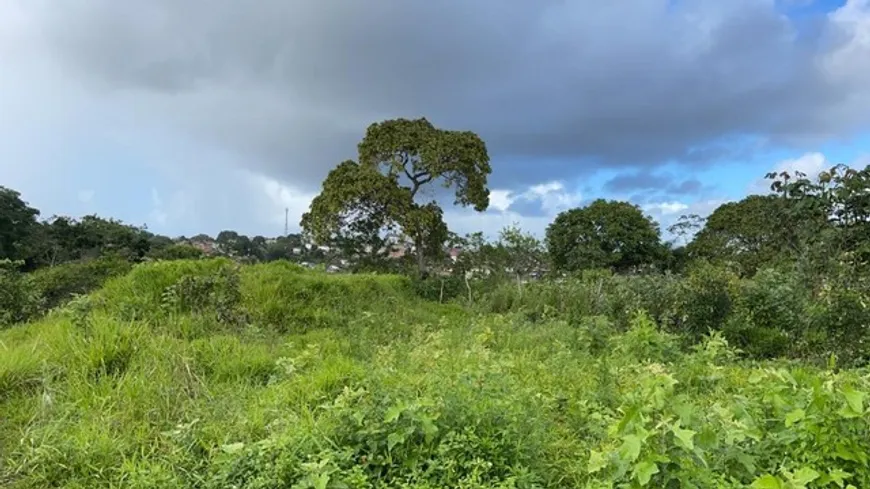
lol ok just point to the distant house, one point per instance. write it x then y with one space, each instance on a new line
397 251
297 251
209 247
454 253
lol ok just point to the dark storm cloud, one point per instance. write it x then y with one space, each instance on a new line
557 89
637 181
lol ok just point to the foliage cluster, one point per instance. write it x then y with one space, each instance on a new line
25 296
776 313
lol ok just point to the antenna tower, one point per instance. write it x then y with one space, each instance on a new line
286 215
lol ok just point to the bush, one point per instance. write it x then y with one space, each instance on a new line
705 299
19 298
61 283
140 293
217 294
768 315
838 326
177 252
439 288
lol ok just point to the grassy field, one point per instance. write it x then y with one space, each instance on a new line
198 374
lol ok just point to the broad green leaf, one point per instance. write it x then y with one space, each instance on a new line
767 481
838 477
794 416
394 439
597 461
747 461
429 428
233 447
845 453
630 449
804 476
855 399
393 413
321 481
644 471
685 438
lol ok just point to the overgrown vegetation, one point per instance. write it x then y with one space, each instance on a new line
209 374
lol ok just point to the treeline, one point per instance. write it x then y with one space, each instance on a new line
35 243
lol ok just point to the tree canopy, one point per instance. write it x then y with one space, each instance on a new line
605 234
750 232
18 222
828 216
363 202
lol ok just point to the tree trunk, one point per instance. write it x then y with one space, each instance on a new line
421 261
468 286
519 285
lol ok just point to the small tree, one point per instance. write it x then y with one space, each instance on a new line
524 252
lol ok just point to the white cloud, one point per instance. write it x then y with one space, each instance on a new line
554 197
810 164
500 200
491 223
665 208
549 199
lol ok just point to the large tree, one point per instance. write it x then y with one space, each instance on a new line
362 202
828 217
751 232
605 234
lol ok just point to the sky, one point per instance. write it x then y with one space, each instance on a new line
195 116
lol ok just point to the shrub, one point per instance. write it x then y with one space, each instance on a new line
177 252
705 299
61 283
216 294
140 293
643 342
768 314
439 288
838 325
19 298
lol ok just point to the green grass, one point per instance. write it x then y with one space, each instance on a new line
323 381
